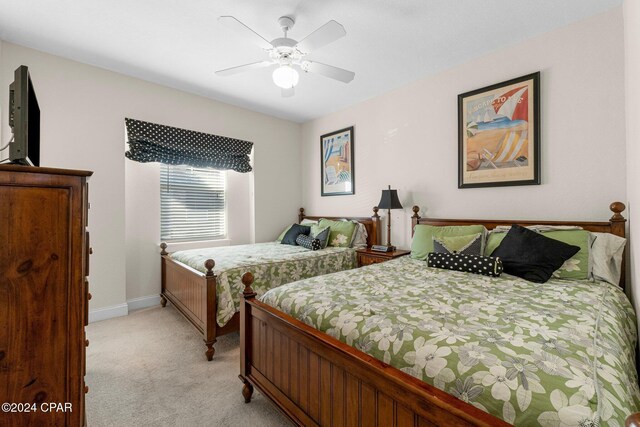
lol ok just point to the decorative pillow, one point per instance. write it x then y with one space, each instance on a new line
281 236
422 243
308 242
487 266
322 234
606 257
494 238
341 232
577 267
290 236
531 255
304 222
468 245
360 236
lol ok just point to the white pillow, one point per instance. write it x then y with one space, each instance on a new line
606 257
360 236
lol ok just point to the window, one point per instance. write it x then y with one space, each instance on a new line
192 203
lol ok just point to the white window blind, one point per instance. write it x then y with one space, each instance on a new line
192 202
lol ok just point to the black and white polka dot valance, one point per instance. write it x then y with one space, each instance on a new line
150 142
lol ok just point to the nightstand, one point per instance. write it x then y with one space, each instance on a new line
368 257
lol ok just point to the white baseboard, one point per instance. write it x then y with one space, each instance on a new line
124 308
143 302
108 312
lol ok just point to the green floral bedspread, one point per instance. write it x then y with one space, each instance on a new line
272 264
554 354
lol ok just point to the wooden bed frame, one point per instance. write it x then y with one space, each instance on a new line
316 380
193 293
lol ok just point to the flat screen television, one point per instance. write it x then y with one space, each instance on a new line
24 120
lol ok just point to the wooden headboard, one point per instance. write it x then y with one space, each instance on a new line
615 225
372 223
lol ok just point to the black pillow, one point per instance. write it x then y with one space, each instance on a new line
531 255
290 236
485 265
308 242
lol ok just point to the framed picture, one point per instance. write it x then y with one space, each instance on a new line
336 163
499 134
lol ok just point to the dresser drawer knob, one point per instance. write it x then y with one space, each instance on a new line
90 251
86 389
88 296
86 343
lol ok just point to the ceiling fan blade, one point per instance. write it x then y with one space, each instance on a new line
330 71
329 32
288 93
245 32
242 68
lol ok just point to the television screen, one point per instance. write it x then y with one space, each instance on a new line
24 119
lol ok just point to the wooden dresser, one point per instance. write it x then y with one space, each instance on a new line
44 264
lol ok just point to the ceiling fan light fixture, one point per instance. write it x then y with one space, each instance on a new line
285 77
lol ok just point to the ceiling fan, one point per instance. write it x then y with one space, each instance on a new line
288 54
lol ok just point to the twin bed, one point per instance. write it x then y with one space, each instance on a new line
205 284
397 344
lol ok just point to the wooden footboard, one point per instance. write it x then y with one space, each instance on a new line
194 295
318 381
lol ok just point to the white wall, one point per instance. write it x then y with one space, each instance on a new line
408 137
632 70
83 110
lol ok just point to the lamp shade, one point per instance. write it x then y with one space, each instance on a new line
389 199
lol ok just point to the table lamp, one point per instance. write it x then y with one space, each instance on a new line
388 201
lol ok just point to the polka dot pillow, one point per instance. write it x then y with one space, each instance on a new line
308 242
487 266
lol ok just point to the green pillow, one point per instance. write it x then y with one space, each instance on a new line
423 236
341 232
493 241
576 267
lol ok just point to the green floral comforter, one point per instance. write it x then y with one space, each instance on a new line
555 354
272 264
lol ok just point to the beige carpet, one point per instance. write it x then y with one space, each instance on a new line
149 369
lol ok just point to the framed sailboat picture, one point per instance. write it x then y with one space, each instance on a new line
499 134
336 163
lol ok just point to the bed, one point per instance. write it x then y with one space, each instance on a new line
205 284
487 351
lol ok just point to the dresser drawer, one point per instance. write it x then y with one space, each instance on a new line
368 260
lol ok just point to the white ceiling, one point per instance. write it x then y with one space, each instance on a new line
179 43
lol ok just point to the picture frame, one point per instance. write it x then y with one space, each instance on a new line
337 167
499 134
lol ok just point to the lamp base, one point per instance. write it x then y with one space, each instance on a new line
383 248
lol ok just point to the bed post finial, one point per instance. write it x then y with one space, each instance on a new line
617 208
247 281
301 215
375 212
414 218
163 247
209 264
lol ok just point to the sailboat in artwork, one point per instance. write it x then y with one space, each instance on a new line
500 139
